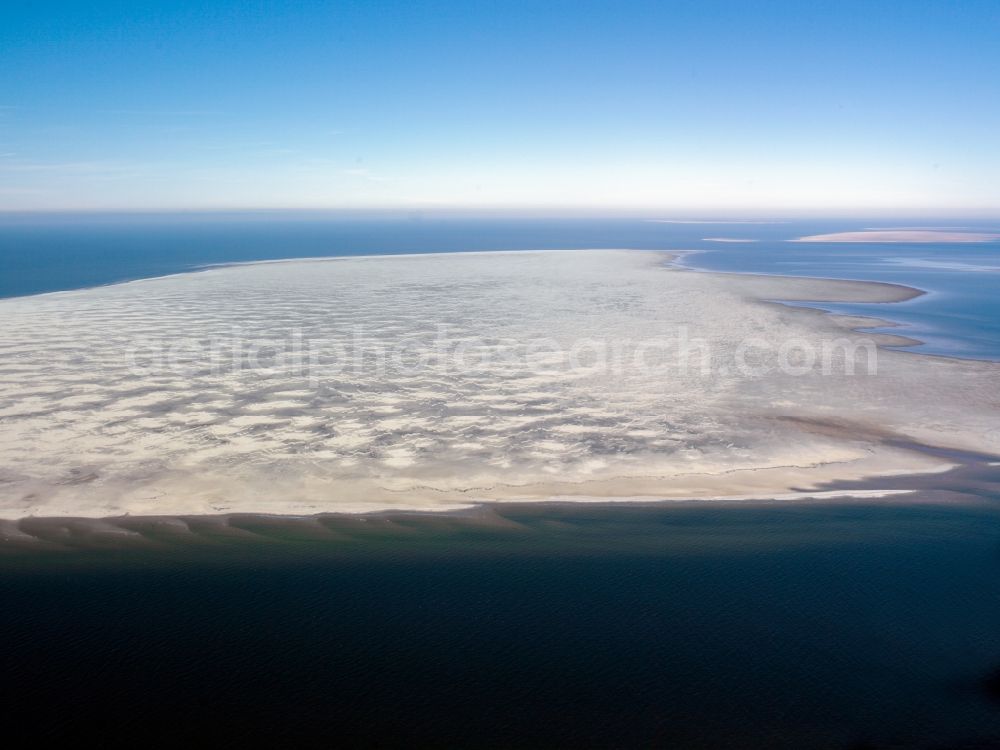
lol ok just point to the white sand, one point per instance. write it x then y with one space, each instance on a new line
901 235
86 431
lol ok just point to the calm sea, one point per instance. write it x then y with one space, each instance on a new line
784 626
689 626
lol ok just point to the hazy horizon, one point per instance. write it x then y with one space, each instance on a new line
707 217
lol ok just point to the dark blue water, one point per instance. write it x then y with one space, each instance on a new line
960 316
787 626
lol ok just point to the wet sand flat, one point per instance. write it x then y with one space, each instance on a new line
436 383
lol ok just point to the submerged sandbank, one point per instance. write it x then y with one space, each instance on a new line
434 383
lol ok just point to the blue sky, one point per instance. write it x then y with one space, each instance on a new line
777 107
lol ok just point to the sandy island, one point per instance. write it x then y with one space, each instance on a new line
894 236
442 382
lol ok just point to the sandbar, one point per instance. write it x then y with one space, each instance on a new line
446 382
901 236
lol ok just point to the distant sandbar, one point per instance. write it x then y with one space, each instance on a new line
912 235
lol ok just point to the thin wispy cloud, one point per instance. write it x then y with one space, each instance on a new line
21 191
365 174
69 167
164 112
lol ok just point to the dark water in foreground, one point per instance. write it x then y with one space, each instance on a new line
780 626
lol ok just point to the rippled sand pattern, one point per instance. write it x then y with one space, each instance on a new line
276 398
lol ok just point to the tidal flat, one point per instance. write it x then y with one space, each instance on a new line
442 382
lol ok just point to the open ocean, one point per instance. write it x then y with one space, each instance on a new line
687 626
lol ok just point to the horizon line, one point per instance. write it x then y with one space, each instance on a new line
661 214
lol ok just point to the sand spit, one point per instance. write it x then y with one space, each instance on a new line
901 235
440 383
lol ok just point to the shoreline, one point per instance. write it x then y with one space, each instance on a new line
866 324
343 532
203 267
968 478
884 338
895 292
